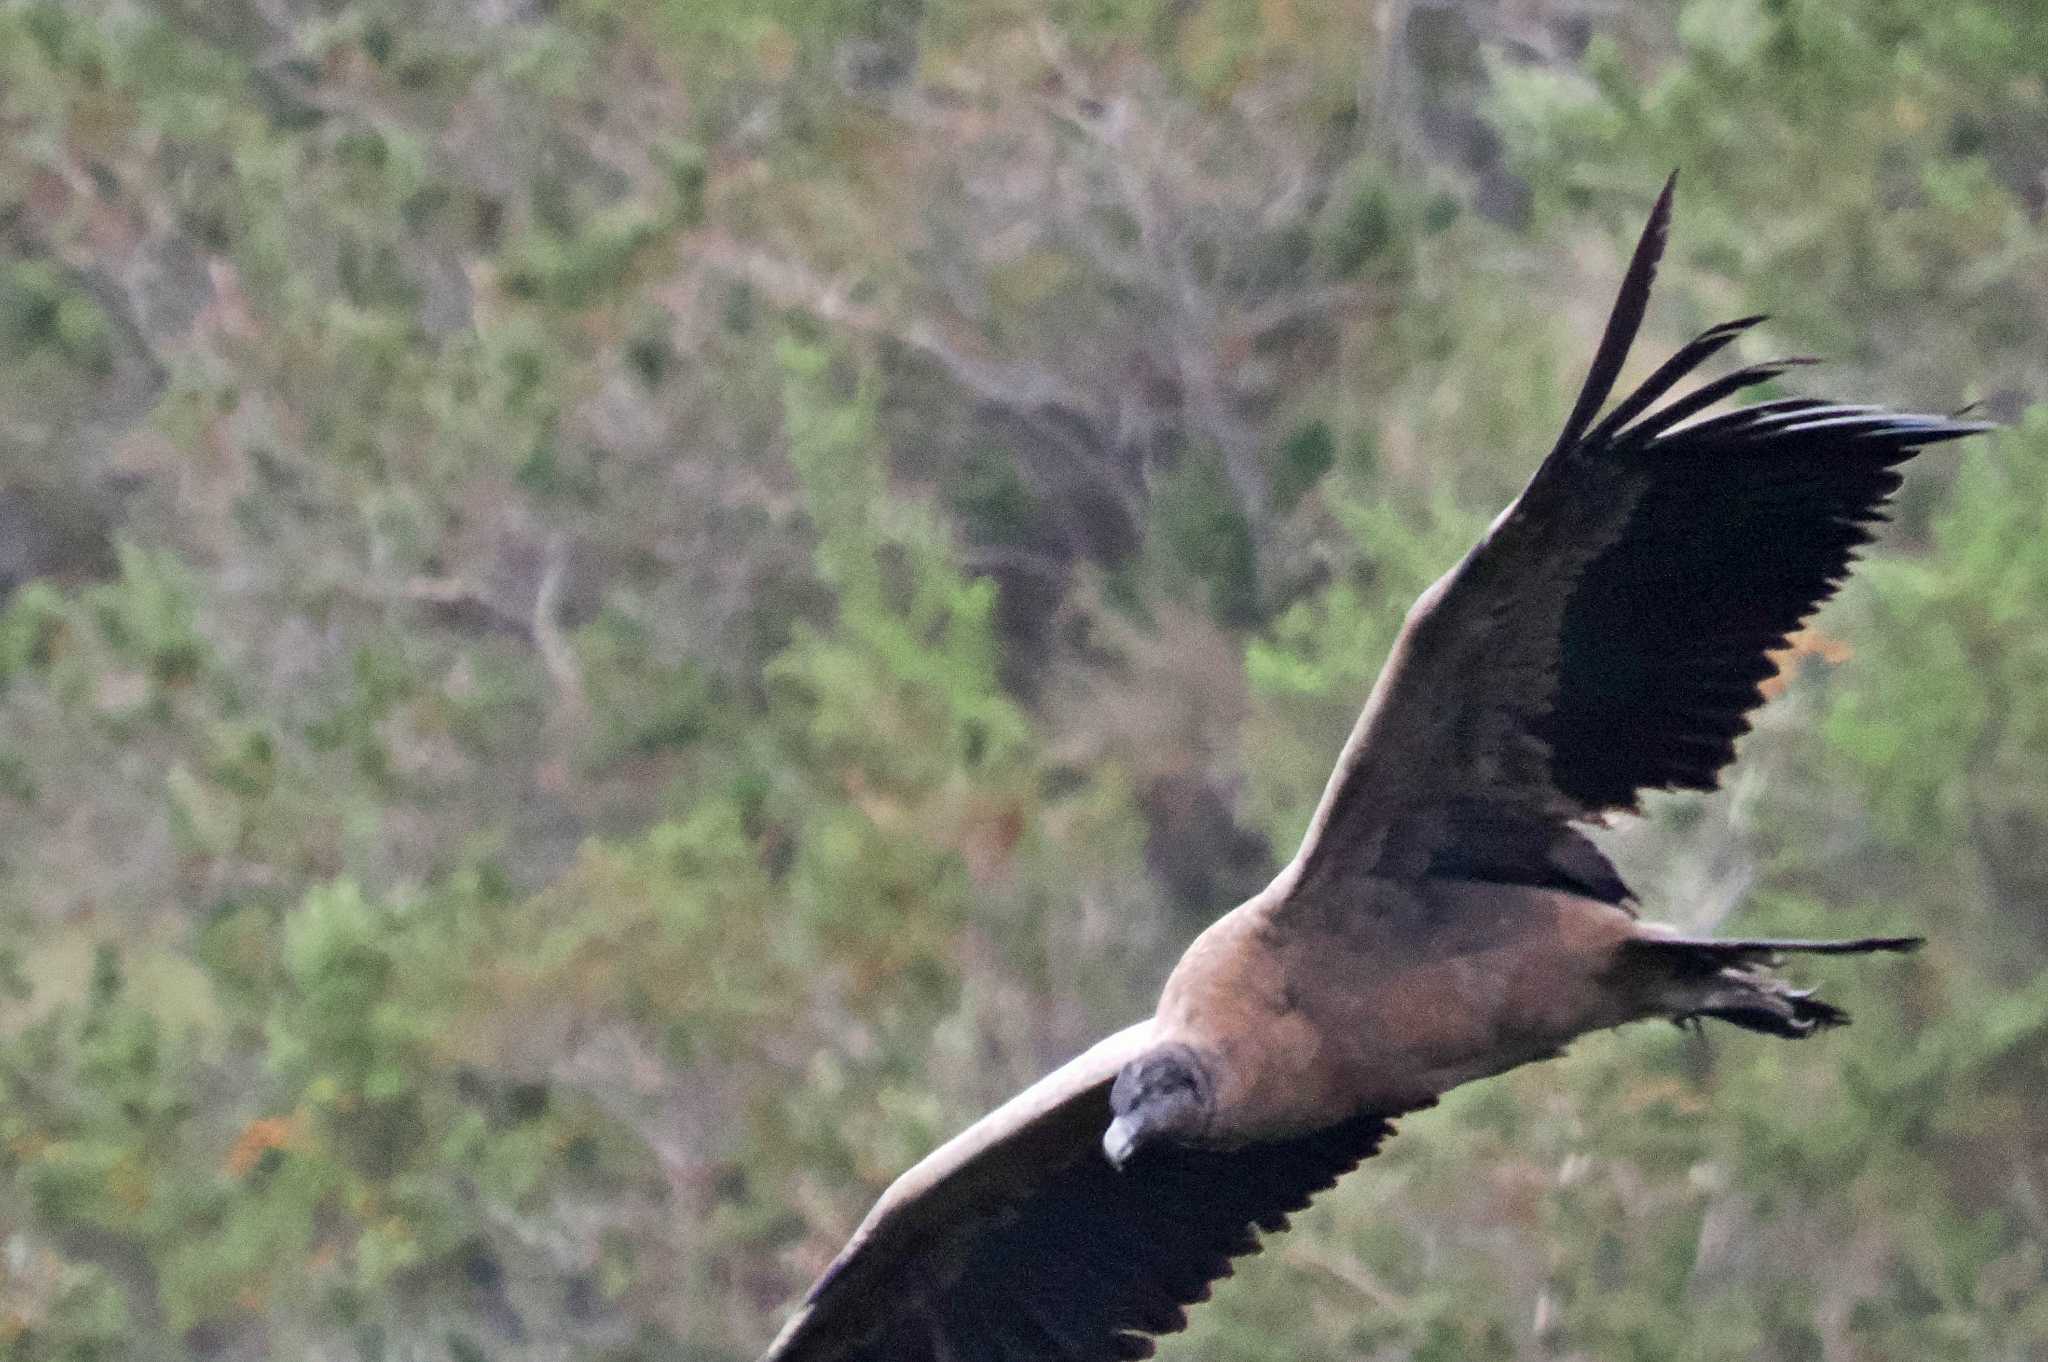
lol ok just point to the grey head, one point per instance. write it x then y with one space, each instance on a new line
1163 1094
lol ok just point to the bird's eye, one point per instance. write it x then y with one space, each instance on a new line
1171 1079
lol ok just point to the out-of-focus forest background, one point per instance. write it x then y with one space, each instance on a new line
620 613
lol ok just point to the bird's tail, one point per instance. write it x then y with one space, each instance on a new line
1734 981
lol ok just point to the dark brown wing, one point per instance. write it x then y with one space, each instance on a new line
1018 1242
1609 633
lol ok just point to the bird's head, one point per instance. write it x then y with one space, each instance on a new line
1164 1094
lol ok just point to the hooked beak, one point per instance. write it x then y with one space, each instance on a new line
1119 1141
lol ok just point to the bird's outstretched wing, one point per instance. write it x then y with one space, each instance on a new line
1609 633
1018 1240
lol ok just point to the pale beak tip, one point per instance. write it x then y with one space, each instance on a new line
1118 1142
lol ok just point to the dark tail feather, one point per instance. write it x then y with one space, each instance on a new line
1704 956
1801 1015
1732 980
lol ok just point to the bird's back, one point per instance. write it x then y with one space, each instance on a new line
1396 996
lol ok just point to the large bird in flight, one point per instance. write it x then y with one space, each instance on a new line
1444 919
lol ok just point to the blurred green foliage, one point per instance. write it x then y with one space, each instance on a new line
617 614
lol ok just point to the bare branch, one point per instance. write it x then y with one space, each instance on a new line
555 653
1303 1252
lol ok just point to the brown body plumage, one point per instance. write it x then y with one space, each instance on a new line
1432 984
1444 919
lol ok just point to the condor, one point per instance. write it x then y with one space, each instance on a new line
1444 919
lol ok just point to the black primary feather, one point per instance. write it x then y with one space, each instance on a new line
1745 523
1623 322
1101 1260
1748 522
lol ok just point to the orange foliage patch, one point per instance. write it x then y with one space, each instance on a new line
1802 645
258 1138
